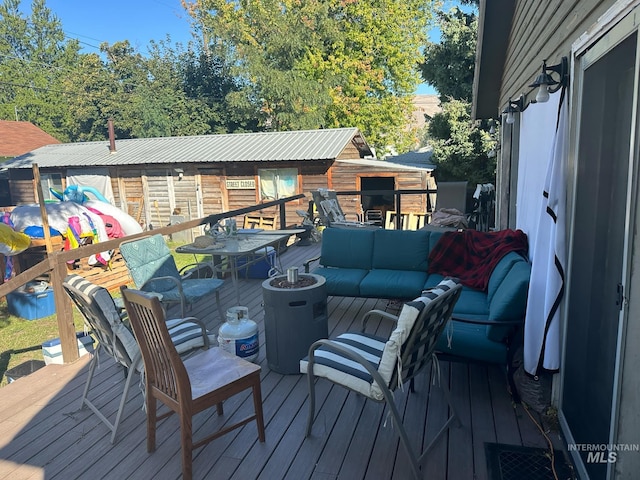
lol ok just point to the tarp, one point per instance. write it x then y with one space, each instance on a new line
94 177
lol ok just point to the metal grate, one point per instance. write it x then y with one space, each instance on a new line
512 462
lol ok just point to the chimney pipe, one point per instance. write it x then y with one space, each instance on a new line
112 137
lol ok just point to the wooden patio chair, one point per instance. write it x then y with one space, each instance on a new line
375 366
259 221
190 386
154 269
107 324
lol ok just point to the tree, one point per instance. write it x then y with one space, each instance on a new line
449 64
208 79
462 148
34 59
315 64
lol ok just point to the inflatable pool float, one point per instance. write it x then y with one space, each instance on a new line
12 242
78 194
127 222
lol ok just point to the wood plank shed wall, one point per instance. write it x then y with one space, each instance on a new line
543 29
202 191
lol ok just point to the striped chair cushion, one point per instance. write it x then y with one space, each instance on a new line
382 353
342 370
186 336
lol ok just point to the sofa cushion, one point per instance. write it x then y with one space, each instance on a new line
401 250
392 284
342 281
470 341
471 305
510 300
500 272
347 248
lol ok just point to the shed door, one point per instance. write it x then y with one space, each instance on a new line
595 307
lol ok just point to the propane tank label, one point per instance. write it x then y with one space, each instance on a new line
242 347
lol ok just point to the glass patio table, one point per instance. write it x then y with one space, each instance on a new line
252 247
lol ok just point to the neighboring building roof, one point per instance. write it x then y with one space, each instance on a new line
238 147
418 159
17 138
386 164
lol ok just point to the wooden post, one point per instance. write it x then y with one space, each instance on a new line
64 312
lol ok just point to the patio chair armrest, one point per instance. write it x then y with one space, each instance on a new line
380 313
196 270
356 357
308 263
205 336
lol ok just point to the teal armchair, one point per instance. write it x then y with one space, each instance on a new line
154 269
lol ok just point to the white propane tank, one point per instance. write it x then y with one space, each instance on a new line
239 334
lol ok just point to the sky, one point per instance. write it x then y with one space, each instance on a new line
139 21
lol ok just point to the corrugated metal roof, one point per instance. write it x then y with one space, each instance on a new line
419 159
239 147
387 165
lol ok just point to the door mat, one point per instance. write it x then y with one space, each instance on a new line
513 462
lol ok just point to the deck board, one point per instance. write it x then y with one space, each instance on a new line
44 434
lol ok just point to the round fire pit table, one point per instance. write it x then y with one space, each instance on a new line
295 316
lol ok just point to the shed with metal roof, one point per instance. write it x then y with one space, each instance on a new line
204 174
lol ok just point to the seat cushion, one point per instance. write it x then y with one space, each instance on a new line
187 336
472 303
392 284
344 282
199 287
470 341
149 257
340 369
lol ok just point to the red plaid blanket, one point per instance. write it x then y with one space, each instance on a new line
471 256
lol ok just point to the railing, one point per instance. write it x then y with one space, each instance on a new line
56 265
397 195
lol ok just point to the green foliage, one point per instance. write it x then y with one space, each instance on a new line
34 56
462 149
261 65
71 95
449 64
314 64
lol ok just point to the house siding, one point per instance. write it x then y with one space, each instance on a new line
542 30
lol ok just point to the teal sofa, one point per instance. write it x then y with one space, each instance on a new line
393 264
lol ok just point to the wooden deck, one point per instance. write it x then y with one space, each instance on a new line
43 434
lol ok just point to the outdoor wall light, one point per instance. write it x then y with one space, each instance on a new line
514 107
546 84
180 173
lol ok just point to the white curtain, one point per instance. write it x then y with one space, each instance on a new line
537 131
546 289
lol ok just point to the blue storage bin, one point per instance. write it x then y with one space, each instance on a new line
259 269
31 306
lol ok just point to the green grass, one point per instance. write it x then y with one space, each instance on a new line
21 340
